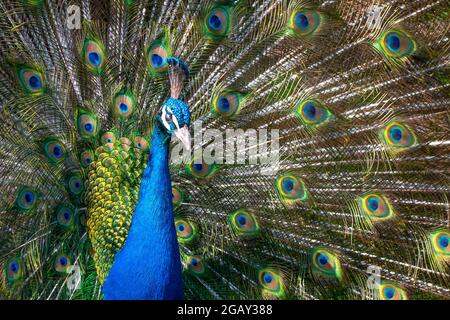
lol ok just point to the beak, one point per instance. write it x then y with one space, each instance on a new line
185 137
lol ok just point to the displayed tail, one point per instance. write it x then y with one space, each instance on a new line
319 168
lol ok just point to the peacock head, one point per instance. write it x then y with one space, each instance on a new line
175 118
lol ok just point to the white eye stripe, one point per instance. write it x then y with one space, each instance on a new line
163 118
165 123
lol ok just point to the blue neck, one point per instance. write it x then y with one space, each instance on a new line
148 265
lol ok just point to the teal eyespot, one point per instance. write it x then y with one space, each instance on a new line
291 188
186 230
376 206
86 158
244 223
178 196
441 243
227 103
157 54
395 44
398 136
87 124
65 216
94 54
195 265
390 291
13 270
26 199
200 169
31 80
76 186
124 103
61 263
326 263
217 22
271 282
108 137
54 150
141 144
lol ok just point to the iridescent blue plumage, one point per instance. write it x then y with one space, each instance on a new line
150 257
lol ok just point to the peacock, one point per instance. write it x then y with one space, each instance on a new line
228 149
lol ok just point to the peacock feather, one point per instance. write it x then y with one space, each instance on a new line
97 106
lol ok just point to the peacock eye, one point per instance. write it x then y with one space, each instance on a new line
168 117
